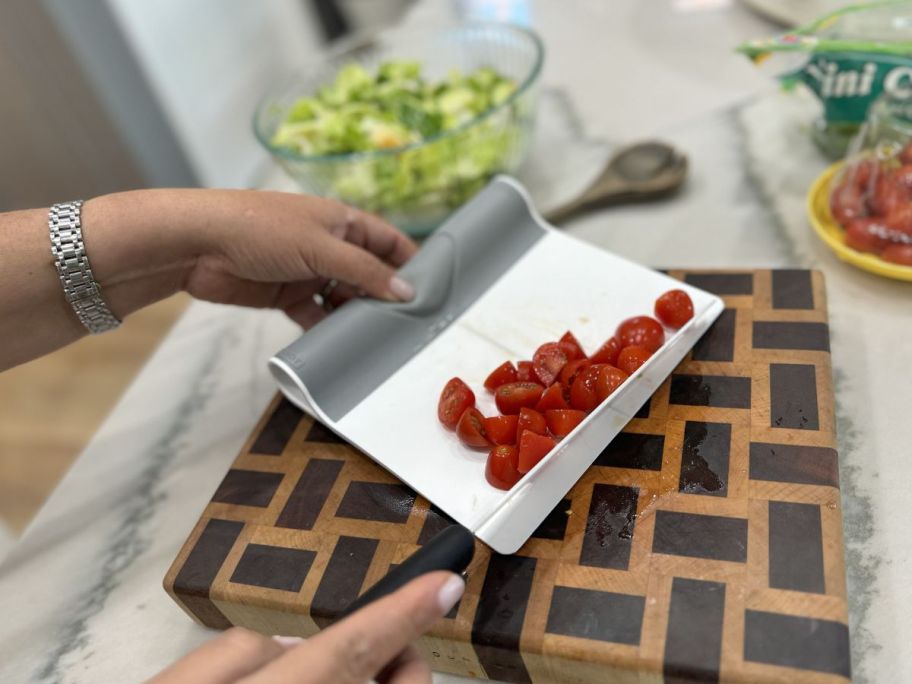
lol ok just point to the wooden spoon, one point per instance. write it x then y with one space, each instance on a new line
640 172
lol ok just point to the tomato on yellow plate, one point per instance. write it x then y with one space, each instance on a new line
829 230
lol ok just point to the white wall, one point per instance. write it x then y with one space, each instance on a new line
208 62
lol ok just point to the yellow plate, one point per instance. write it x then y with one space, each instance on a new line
826 227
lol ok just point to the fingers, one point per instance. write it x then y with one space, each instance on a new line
227 658
356 649
365 230
333 258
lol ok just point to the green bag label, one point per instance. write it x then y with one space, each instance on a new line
848 83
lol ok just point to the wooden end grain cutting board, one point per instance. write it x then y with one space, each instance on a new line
704 544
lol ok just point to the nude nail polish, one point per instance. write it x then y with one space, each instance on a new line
451 591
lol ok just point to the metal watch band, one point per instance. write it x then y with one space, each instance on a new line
79 286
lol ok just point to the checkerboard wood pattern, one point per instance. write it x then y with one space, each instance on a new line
704 544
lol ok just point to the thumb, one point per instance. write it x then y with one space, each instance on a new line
334 258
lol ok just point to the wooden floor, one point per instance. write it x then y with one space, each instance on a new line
50 408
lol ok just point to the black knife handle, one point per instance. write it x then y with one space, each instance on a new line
451 549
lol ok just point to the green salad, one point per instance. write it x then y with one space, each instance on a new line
397 107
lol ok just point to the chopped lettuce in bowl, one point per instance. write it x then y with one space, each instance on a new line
392 139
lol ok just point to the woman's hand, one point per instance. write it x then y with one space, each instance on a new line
373 643
262 249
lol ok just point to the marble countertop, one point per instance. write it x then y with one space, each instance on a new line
81 590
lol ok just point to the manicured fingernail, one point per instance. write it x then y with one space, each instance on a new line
402 289
288 641
451 591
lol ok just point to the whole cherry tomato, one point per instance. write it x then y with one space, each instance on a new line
501 429
571 346
847 203
513 396
608 380
548 361
454 400
561 422
504 373
471 429
898 254
674 308
532 448
608 352
641 331
866 234
583 395
530 419
632 358
500 469
552 398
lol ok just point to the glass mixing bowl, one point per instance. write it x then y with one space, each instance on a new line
418 185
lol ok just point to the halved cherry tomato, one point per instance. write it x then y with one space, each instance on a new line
530 419
571 370
886 197
609 379
608 352
504 373
532 448
641 331
552 398
900 219
514 395
905 156
454 400
898 254
632 358
501 429
582 392
866 234
862 172
674 308
524 372
471 429
548 361
500 470
571 346
561 422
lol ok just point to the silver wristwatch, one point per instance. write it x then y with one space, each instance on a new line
79 286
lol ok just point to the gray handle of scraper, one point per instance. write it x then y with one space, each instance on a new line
346 356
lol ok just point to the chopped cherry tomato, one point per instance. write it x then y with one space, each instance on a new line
641 331
866 234
561 422
454 400
583 395
524 372
530 419
501 429
513 396
898 254
632 358
847 203
532 448
471 429
608 352
609 379
504 373
674 308
862 172
571 346
500 470
571 370
547 362
553 398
